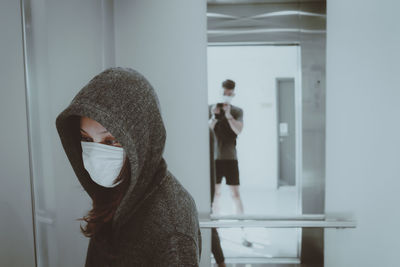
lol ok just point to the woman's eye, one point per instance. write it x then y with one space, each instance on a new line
86 139
111 142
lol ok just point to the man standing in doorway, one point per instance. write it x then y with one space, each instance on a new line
226 121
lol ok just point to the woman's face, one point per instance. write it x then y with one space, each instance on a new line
92 131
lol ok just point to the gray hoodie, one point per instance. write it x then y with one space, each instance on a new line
156 222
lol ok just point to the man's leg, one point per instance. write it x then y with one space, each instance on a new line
236 198
232 180
219 172
239 210
217 197
234 184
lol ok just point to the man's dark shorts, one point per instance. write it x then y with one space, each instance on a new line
227 168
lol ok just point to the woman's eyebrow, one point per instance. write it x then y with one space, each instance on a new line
105 131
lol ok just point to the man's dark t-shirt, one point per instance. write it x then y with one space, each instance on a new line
225 145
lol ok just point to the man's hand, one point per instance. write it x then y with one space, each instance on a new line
215 109
227 109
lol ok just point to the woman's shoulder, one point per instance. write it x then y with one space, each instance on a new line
176 195
174 205
170 219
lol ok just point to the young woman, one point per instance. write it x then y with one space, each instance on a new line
113 135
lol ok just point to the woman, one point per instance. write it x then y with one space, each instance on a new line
114 137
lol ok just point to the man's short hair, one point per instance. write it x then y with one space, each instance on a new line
228 84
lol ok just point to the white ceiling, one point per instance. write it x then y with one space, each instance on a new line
265 20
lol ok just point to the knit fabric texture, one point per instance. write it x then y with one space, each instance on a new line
156 222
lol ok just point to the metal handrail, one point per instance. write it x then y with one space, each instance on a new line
268 217
296 221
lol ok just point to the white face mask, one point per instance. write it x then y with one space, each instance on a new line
103 162
227 98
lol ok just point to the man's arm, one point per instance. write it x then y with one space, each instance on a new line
236 124
211 115
212 122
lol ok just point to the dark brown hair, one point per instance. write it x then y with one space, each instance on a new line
104 202
228 84
104 205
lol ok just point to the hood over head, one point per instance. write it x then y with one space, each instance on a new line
125 103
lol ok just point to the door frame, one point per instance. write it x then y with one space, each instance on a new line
298 128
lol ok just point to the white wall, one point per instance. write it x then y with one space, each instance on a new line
166 41
363 131
16 235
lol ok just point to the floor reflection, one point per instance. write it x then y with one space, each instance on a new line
266 243
262 201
